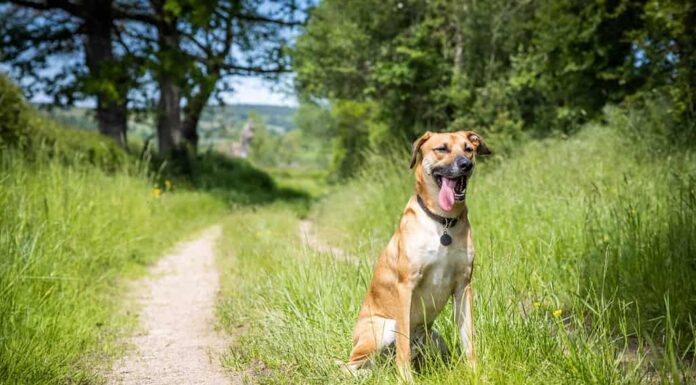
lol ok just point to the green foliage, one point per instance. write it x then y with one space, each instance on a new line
667 51
236 180
13 115
317 130
25 130
352 121
306 146
499 67
264 145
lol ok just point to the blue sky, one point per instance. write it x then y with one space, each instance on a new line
253 90
248 90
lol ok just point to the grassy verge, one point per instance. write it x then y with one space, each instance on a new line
313 182
68 234
77 214
584 269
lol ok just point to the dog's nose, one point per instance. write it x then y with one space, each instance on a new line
464 163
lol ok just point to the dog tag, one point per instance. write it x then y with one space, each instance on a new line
445 239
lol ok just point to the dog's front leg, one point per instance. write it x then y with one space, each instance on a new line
463 308
403 333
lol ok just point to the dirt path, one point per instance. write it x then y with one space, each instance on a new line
178 343
310 238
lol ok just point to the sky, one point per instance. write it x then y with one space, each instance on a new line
248 90
254 90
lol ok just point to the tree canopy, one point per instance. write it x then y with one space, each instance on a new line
172 54
503 67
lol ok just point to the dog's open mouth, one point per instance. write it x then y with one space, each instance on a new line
451 190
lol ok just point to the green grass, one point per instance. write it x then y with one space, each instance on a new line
312 182
69 236
78 216
599 226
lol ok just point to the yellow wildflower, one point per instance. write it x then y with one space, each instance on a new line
156 192
258 234
557 313
537 305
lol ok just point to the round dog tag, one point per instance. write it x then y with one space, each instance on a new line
445 239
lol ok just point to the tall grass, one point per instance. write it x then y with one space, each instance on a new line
585 269
68 234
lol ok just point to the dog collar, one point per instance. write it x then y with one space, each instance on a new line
445 239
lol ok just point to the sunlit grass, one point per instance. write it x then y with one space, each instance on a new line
584 268
69 235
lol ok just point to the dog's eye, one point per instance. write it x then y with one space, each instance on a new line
468 149
442 148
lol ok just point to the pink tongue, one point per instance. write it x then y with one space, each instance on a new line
446 197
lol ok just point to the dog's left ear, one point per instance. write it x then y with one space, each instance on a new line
417 145
477 140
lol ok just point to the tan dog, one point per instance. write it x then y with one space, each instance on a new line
429 259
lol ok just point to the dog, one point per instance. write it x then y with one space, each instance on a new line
429 259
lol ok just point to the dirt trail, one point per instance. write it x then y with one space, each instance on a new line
315 243
178 343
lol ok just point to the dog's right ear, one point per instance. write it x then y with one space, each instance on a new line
417 145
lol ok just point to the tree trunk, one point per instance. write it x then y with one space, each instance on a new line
194 108
112 118
169 115
111 109
169 109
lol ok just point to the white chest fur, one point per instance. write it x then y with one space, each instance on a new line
437 269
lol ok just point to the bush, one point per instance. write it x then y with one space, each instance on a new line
14 118
37 137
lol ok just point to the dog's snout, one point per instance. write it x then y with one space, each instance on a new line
464 163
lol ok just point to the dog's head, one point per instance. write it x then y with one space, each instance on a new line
447 162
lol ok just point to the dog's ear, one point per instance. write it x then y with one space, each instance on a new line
417 145
477 140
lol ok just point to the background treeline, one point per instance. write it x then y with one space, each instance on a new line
168 56
511 69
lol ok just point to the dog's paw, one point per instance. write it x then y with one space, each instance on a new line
353 369
404 376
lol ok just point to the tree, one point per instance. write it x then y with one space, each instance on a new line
236 40
504 67
199 47
187 50
36 31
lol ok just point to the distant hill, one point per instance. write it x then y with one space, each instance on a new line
276 118
218 123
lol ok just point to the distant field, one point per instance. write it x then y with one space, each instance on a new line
218 123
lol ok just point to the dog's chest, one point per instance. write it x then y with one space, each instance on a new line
436 270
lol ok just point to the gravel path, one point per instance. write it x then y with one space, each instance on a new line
178 343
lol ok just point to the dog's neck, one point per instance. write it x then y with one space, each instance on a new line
429 192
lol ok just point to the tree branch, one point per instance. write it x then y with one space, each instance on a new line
268 20
234 69
122 14
66 6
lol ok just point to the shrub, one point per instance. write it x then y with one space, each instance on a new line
21 127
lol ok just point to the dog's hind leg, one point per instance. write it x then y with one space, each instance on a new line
425 342
371 336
